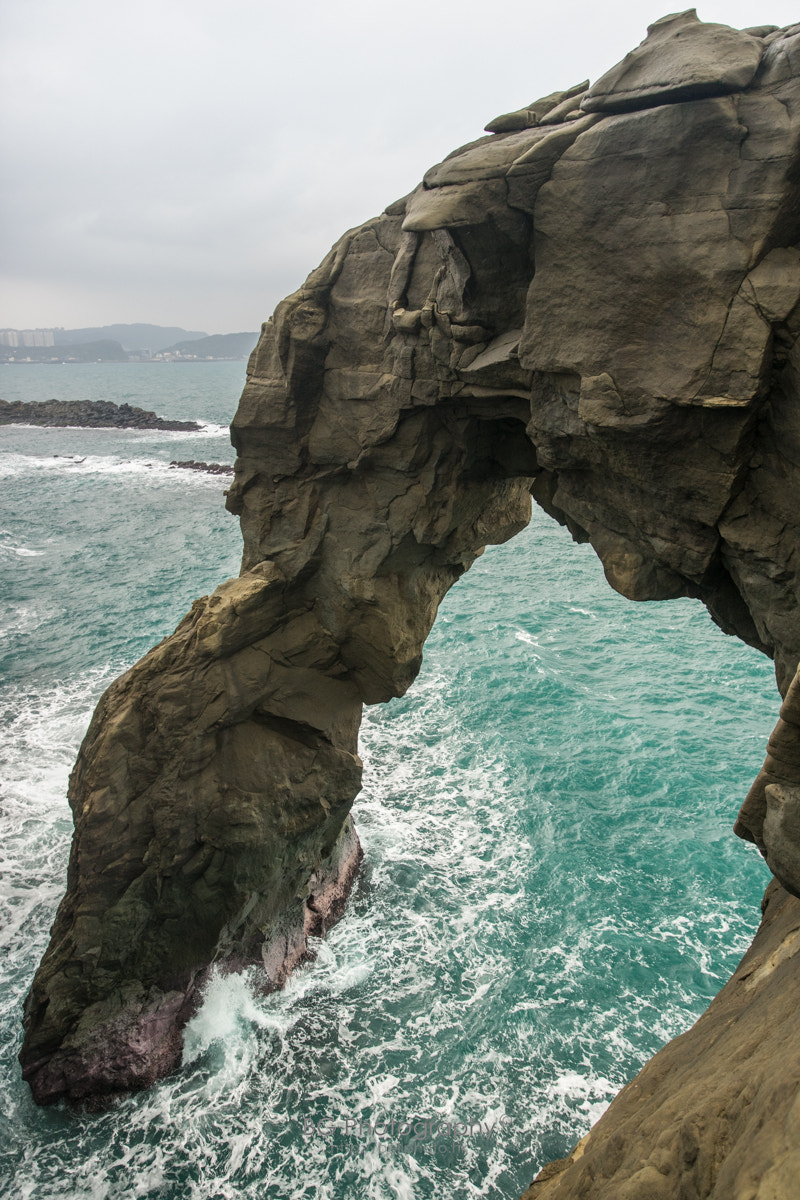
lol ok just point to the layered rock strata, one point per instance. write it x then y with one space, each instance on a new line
598 303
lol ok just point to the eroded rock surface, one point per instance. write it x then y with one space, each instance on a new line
597 304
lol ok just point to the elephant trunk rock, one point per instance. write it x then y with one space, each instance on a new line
597 304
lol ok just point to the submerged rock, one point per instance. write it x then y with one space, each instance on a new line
598 305
87 414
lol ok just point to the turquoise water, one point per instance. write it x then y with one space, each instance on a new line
551 887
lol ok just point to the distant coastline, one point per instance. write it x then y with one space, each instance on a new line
88 362
121 343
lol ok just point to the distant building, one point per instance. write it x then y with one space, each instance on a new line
27 337
37 337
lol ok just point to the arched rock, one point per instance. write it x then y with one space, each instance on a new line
597 305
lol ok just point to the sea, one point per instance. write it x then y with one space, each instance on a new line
551 887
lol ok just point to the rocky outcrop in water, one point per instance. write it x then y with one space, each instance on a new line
87 414
207 468
598 304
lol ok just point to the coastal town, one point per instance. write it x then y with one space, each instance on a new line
121 343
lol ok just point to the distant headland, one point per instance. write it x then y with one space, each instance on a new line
122 343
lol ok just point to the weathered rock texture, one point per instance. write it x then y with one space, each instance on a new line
596 304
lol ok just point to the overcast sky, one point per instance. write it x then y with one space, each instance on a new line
188 162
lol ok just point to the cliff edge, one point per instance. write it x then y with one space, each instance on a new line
597 304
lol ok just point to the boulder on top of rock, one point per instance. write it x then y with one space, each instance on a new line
536 111
682 58
453 205
489 159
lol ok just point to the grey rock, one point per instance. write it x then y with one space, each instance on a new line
781 831
569 107
497 364
770 814
537 111
490 159
534 168
682 58
448 207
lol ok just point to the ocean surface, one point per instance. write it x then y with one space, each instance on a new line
551 887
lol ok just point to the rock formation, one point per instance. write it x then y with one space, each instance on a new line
207 468
598 304
87 414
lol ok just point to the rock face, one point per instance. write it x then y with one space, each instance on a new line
598 304
87 414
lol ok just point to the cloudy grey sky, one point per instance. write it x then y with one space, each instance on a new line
188 162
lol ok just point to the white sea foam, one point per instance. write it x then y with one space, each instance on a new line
11 547
40 731
230 1011
522 636
111 464
591 1094
205 429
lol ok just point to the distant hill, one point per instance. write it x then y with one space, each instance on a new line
131 337
118 343
219 345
